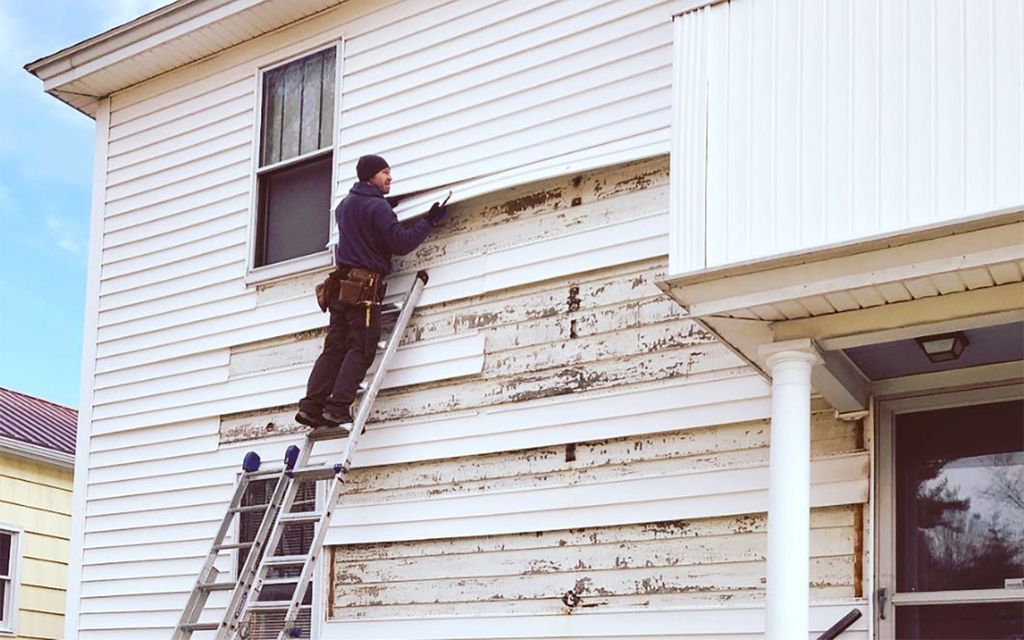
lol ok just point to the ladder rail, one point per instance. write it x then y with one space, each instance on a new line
208 573
240 595
306 575
370 395
365 405
253 574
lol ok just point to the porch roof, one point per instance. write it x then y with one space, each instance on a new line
968 273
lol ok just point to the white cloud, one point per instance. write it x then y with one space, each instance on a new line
62 234
118 12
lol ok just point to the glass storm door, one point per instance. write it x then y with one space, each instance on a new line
953 503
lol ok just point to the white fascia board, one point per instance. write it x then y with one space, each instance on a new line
974 241
111 41
36 452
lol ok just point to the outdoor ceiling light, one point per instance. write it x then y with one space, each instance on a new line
943 347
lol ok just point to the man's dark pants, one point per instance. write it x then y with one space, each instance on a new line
349 350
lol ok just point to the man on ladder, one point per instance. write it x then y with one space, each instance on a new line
369 235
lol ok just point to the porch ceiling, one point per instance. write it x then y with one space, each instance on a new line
964 274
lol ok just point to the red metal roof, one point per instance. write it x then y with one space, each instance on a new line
37 421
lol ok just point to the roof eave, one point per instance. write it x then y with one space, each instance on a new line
36 452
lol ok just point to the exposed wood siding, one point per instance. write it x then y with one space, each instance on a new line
652 564
829 121
37 496
742 621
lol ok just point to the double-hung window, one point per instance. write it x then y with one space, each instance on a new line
9 554
296 143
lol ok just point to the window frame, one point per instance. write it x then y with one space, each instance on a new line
885 536
320 259
10 626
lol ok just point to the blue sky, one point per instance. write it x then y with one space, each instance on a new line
45 180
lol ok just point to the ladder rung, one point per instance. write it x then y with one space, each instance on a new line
314 473
391 309
326 433
284 580
200 626
299 516
269 605
276 561
233 545
217 586
249 508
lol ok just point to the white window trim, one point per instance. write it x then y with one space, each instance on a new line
10 626
321 259
885 540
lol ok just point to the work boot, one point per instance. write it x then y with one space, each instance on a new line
310 420
336 420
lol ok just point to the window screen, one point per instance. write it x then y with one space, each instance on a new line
294 176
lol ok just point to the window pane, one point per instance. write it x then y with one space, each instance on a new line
960 498
298 102
294 216
273 103
993 621
3 600
5 554
327 103
312 78
292 118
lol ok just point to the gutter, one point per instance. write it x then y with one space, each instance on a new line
36 452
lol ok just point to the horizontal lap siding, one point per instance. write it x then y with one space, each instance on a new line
192 364
37 496
160 476
639 565
477 88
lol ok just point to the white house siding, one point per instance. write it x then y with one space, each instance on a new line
190 359
828 121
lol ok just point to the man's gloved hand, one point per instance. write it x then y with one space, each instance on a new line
437 213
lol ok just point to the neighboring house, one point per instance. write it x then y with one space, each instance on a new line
664 379
37 456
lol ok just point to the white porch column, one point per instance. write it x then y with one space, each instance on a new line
787 596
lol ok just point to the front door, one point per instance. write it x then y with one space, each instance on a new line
951 517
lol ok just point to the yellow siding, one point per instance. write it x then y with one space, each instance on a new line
37 497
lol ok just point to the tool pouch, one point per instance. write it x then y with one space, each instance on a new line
358 286
327 290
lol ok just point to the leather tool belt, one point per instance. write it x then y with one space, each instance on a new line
349 285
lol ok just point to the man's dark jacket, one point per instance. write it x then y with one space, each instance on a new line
369 231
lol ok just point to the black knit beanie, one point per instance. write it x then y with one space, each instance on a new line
368 166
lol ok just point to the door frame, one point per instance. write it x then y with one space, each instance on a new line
885 504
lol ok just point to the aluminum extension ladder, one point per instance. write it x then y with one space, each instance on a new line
253 574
